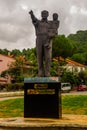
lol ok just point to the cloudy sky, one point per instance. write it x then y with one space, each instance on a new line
16 29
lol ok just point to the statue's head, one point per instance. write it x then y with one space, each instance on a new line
55 16
44 14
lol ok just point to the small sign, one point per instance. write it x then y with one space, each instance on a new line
41 89
34 91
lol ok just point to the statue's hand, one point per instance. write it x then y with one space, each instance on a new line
31 12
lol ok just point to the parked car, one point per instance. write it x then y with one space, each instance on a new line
82 87
65 87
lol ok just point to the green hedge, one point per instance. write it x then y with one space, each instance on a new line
3 86
15 86
12 87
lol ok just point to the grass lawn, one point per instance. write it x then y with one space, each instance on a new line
74 104
71 104
12 108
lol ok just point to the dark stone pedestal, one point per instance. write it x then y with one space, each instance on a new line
42 98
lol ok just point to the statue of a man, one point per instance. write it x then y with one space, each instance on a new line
44 37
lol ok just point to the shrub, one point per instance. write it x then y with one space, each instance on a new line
15 86
3 86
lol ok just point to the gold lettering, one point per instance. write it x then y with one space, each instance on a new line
41 91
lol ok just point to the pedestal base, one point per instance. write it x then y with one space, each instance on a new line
68 122
42 98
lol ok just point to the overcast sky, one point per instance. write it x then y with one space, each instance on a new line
16 29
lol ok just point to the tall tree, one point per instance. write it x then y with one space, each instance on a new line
80 39
62 47
16 68
16 52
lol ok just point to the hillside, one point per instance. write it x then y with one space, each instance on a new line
80 39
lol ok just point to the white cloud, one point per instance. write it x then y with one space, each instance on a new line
83 11
16 29
74 10
24 7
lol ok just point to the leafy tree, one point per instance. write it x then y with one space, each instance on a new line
68 76
16 68
83 76
62 47
85 56
54 68
80 39
4 73
16 52
4 51
79 57
80 36
26 53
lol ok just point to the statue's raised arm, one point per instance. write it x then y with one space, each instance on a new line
34 19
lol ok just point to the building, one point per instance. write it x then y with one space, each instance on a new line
5 61
74 66
71 65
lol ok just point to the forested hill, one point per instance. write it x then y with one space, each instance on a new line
80 38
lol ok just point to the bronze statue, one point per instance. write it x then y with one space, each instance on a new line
45 32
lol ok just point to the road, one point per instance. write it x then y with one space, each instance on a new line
76 93
6 98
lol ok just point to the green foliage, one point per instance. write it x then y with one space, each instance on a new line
16 68
83 76
16 52
4 51
79 57
15 87
35 71
68 76
29 53
80 40
80 36
33 59
20 79
12 87
3 87
54 68
85 56
14 73
62 47
4 73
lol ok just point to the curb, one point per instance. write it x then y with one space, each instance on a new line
11 94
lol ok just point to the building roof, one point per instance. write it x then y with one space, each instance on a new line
68 61
9 56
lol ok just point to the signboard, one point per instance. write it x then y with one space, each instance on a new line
41 89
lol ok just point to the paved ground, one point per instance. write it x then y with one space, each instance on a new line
6 98
11 95
76 93
67 121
